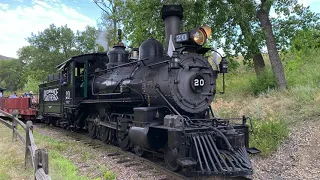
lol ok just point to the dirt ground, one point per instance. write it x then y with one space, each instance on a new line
297 158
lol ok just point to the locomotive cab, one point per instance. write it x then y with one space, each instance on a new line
67 88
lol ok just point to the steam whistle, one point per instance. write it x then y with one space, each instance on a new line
223 67
120 38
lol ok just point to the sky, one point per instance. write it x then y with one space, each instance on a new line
19 18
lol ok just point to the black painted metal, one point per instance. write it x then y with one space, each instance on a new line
159 104
212 160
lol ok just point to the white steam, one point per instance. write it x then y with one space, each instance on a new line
102 40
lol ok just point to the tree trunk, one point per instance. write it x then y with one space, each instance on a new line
263 16
258 61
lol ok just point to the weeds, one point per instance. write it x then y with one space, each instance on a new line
262 83
12 157
268 135
60 166
303 94
109 175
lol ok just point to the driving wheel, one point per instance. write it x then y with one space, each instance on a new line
92 124
170 158
124 141
105 131
138 151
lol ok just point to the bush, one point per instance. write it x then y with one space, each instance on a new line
268 134
263 82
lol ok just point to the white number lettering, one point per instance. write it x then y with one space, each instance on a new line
201 82
181 37
196 82
184 37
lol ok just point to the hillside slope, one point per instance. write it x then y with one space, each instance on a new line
4 57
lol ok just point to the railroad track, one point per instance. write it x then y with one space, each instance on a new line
129 159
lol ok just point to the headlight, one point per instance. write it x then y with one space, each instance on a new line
199 37
206 29
201 34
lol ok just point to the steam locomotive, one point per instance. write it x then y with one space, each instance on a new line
149 101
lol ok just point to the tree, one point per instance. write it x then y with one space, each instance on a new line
140 25
111 18
236 22
263 16
54 45
87 41
12 74
294 18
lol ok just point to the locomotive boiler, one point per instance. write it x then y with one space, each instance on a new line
154 99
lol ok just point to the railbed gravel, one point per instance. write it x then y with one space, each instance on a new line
298 157
97 157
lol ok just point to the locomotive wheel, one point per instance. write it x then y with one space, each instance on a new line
123 140
47 121
138 151
105 131
92 125
170 158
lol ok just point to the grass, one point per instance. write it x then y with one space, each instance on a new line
65 154
12 157
268 135
273 112
60 167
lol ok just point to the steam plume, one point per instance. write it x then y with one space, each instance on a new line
102 40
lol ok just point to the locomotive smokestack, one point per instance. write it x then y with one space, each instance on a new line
172 15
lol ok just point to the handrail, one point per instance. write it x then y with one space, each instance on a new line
37 158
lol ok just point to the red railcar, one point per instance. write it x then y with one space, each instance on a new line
26 107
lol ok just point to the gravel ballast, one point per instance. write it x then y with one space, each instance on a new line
297 158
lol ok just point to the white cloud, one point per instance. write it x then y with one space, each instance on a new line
4 6
18 24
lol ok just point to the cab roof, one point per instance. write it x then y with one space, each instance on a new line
65 63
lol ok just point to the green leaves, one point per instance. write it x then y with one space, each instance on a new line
12 74
142 19
111 18
295 18
54 45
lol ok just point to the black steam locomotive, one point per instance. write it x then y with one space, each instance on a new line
148 101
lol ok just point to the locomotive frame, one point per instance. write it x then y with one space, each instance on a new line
151 102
